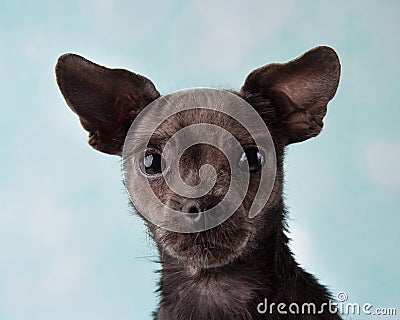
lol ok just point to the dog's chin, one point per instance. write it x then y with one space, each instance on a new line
208 249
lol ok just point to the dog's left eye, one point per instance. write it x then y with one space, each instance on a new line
151 163
254 157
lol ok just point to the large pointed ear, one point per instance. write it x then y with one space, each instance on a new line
299 90
106 100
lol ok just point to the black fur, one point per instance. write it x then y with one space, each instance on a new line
226 272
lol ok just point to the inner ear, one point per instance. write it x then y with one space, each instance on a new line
299 90
106 100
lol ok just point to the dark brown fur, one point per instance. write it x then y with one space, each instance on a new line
225 272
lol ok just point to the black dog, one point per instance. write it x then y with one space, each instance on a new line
242 268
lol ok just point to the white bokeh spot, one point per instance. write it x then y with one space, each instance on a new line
231 30
383 161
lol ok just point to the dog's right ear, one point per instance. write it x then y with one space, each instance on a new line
106 100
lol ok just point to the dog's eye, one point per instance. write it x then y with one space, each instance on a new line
254 157
151 163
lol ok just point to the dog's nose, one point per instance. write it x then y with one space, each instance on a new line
192 210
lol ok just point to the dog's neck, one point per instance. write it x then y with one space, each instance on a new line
189 292
235 291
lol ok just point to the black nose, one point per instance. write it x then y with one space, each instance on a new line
192 210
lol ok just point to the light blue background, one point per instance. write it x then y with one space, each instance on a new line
69 248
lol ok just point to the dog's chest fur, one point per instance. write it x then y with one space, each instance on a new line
205 295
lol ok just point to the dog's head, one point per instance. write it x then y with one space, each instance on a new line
289 98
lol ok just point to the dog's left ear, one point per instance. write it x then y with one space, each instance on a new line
299 90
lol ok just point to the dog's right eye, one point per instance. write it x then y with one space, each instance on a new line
151 163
